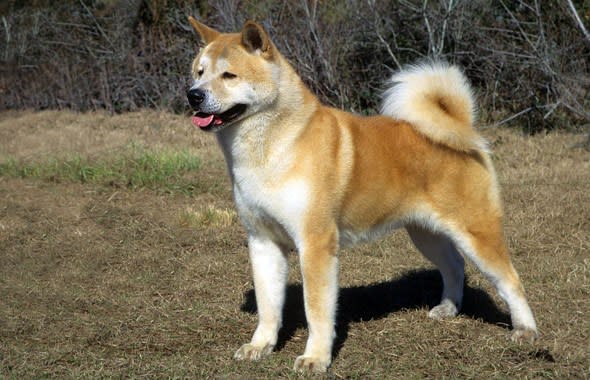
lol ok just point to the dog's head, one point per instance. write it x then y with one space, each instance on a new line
235 76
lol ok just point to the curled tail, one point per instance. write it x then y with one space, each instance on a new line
437 100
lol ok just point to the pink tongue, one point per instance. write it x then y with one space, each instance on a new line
202 122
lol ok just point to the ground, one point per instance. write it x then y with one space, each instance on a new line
108 275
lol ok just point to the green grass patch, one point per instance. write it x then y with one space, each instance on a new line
134 167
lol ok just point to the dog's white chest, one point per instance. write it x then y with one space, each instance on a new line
270 204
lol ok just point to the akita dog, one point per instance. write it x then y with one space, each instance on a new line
314 178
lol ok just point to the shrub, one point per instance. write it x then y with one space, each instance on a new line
528 59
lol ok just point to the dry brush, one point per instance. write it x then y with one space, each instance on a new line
528 59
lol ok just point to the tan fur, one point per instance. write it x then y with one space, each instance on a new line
316 178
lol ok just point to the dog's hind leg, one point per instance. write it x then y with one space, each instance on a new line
441 251
270 269
483 243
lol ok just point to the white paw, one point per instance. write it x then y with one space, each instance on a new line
524 335
251 352
446 309
311 364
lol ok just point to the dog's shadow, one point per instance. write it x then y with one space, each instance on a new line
415 289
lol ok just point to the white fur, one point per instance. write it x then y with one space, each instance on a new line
275 211
408 85
270 269
409 94
441 242
350 237
441 251
294 199
520 311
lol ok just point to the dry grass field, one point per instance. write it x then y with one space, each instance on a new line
121 256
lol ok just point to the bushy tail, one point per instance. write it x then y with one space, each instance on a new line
437 100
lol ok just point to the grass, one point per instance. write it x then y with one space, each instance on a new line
102 281
210 216
134 167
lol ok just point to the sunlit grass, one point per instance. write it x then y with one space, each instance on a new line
133 167
211 216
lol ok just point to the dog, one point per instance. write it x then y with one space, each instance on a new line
313 178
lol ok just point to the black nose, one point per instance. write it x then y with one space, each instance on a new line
195 97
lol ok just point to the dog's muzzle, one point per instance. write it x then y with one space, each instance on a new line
207 120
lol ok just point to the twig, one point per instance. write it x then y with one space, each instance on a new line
7 28
519 26
312 17
386 44
100 29
513 116
431 43
443 33
579 110
578 20
553 108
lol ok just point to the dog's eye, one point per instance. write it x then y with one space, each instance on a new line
228 75
200 72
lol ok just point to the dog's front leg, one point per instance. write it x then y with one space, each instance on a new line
319 267
270 269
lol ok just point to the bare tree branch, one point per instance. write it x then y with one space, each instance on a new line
578 20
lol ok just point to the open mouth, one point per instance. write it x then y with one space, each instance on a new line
210 121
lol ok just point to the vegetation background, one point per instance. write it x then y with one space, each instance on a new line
529 59
121 255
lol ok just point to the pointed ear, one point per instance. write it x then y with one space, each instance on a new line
207 34
255 38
